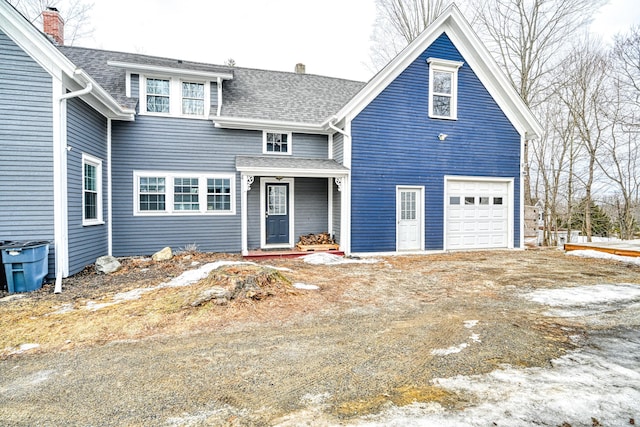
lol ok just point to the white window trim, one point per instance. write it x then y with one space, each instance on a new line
277 153
175 96
97 163
447 66
169 184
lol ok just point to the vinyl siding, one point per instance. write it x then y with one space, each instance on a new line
310 146
395 143
338 147
26 148
174 145
86 134
337 200
311 209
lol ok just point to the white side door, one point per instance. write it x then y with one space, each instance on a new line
409 214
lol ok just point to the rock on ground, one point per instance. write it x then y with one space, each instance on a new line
107 264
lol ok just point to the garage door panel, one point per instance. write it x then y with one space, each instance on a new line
477 214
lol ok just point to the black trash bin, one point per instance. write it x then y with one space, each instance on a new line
26 264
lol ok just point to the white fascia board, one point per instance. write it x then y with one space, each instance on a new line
260 124
148 68
298 173
452 23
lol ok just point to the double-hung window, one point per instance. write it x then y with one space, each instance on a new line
91 190
178 193
443 88
172 96
276 142
158 95
192 99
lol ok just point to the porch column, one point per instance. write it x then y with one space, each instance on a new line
246 181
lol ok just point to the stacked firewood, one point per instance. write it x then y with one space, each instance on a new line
316 239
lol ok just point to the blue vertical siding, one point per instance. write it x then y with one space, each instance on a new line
26 148
394 142
86 134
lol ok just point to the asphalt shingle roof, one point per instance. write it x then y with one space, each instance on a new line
251 94
286 162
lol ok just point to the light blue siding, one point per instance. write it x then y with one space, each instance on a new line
337 204
311 208
396 143
26 148
310 146
174 145
338 147
86 134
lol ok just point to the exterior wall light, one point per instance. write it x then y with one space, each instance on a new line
442 136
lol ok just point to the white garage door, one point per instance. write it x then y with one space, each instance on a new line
477 214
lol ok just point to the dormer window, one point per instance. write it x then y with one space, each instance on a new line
158 96
175 97
193 99
276 142
443 88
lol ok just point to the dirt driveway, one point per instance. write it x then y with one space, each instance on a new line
374 336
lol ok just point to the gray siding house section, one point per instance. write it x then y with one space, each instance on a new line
337 206
310 146
26 147
86 134
164 144
311 208
338 147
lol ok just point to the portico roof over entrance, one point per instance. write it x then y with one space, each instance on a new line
289 166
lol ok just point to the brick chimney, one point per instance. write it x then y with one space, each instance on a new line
300 68
53 25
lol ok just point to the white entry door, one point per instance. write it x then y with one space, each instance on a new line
409 216
477 214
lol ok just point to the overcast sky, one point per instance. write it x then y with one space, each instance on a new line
331 37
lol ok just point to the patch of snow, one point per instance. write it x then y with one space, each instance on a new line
324 258
25 347
450 350
470 323
64 309
94 306
475 338
587 295
304 286
589 253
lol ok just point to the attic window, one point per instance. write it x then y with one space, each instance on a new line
443 88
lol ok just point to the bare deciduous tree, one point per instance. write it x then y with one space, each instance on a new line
584 92
76 15
398 23
528 37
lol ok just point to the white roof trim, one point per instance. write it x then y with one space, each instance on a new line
293 172
261 124
148 68
453 23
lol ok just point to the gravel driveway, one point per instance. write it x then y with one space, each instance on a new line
372 339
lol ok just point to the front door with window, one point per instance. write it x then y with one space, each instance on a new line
409 215
277 213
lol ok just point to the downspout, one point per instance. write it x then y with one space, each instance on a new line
63 149
337 129
219 96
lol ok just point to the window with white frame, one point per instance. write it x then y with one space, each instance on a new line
218 194
443 88
276 142
91 190
175 97
193 98
158 95
167 193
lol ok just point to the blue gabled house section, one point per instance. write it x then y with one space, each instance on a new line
395 142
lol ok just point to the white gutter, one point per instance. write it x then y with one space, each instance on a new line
332 126
63 152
